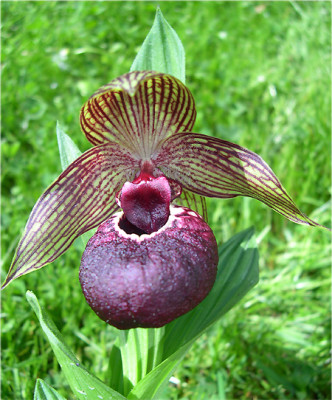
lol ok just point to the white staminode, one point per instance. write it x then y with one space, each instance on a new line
175 212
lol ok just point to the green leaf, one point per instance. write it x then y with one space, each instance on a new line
162 50
67 148
82 382
43 391
141 351
115 369
153 384
237 274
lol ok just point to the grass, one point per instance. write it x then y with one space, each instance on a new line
260 74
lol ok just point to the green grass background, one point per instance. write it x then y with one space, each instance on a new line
260 73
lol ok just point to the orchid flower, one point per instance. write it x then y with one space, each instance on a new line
156 259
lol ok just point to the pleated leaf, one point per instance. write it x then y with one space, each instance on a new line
151 387
161 51
43 391
138 111
216 168
114 373
141 351
80 199
83 384
67 148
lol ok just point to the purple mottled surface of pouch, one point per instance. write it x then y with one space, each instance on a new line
133 279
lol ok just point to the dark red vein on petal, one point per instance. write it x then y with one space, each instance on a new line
58 225
212 167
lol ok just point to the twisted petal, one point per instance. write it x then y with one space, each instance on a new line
80 199
138 110
216 168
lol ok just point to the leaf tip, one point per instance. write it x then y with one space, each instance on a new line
32 300
30 294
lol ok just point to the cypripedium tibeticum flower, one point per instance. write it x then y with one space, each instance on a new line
156 259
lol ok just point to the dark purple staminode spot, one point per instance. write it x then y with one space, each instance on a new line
146 203
151 263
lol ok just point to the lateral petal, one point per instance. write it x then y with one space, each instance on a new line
81 198
213 167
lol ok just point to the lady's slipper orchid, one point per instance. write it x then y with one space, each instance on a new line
154 260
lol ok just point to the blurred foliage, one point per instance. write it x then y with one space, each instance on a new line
260 73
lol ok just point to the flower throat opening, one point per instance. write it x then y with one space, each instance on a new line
129 228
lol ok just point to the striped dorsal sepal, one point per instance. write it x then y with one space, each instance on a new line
138 110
